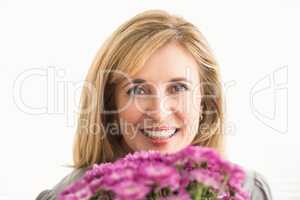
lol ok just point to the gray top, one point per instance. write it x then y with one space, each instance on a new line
255 183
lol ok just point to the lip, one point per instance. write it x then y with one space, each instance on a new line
162 141
161 128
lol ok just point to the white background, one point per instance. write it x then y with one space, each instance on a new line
256 44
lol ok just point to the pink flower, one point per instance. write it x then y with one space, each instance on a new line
129 190
181 175
160 174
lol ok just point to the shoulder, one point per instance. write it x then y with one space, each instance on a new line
257 185
51 194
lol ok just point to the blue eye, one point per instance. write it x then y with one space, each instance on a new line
136 90
179 87
139 90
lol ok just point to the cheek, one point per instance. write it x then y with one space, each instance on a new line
131 114
126 109
128 115
190 120
190 129
189 114
189 102
188 107
129 119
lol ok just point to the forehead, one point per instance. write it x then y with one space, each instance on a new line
168 62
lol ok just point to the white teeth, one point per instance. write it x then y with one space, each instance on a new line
159 134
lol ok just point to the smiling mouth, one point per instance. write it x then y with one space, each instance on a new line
162 134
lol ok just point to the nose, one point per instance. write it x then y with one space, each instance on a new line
159 107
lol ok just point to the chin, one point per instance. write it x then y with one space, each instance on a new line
170 148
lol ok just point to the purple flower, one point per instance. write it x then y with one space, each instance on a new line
130 190
170 176
118 174
206 177
160 174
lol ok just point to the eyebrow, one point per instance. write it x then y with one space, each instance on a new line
139 81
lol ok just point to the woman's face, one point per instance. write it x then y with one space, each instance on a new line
159 107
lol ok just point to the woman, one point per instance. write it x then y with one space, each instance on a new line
154 85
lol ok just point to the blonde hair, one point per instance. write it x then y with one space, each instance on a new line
127 50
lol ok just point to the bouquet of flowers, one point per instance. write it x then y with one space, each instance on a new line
194 173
